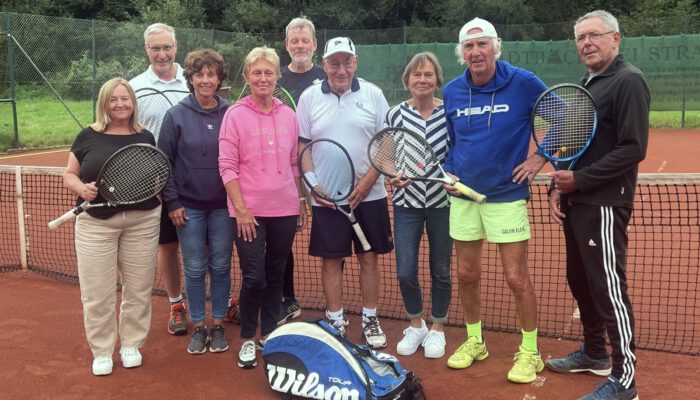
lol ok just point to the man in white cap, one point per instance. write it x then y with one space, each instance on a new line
488 121
350 111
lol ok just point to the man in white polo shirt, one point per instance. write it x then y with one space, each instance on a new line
166 76
350 111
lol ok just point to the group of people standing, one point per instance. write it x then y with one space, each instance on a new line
235 180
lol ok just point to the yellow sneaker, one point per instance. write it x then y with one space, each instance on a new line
466 353
526 366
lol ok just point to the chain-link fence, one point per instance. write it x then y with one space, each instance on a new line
51 68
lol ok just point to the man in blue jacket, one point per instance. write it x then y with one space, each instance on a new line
488 110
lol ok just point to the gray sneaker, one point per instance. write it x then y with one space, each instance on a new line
217 339
199 340
577 362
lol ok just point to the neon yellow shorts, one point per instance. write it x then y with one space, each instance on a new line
499 222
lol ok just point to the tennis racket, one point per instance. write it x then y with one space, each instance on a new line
131 175
280 93
564 122
327 170
153 104
397 151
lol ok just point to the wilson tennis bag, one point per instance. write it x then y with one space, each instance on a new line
311 360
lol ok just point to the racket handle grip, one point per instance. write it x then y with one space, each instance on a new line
53 225
469 192
361 236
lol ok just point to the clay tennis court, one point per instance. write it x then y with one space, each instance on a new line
45 354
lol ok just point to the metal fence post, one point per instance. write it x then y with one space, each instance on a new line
94 72
11 68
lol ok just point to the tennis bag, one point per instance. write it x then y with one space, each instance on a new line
311 360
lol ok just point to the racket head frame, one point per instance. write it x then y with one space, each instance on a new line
313 185
430 162
554 160
153 151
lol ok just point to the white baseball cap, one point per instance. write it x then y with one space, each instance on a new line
339 45
487 30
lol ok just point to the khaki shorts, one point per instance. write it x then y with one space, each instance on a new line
499 222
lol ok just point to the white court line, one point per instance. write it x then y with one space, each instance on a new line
663 165
34 154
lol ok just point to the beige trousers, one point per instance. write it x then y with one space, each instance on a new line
125 245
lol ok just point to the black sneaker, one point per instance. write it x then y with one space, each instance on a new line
577 362
217 341
612 389
290 310
199 340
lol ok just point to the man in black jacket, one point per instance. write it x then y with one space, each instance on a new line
594 204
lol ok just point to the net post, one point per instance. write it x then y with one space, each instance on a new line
20 218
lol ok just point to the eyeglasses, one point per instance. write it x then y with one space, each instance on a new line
157 49
593 36
336 65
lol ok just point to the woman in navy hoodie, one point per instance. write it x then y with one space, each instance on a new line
196 198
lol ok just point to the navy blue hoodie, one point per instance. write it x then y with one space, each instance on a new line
189 136
489 130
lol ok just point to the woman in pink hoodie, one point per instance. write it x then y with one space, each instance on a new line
258 165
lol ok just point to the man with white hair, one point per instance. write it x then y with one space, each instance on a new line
594 205
488 121
350 111
166 76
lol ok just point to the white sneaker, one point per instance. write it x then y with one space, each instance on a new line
412 339
246 357
102 366
131 357
434 344
374 336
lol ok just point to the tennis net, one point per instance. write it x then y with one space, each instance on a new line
663 264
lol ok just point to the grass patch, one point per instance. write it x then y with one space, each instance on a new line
44 122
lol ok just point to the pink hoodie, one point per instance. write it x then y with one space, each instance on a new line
260 150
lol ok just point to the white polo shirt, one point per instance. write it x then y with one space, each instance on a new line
351 119
152 117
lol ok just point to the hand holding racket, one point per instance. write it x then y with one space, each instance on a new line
133 174
399 152
328 171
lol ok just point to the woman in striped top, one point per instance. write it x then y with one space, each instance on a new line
422 204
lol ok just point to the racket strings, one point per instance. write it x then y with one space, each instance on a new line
134 175
397 151
564 123
327 170
153 105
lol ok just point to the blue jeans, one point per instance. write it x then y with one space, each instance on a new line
408 230
213 229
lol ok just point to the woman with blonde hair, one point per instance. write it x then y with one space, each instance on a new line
113 241
258 165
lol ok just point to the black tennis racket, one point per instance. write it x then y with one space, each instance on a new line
401 152
280 93
133 174
153 103
564 122
328 172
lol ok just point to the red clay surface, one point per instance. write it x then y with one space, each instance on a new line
45 353
45 356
